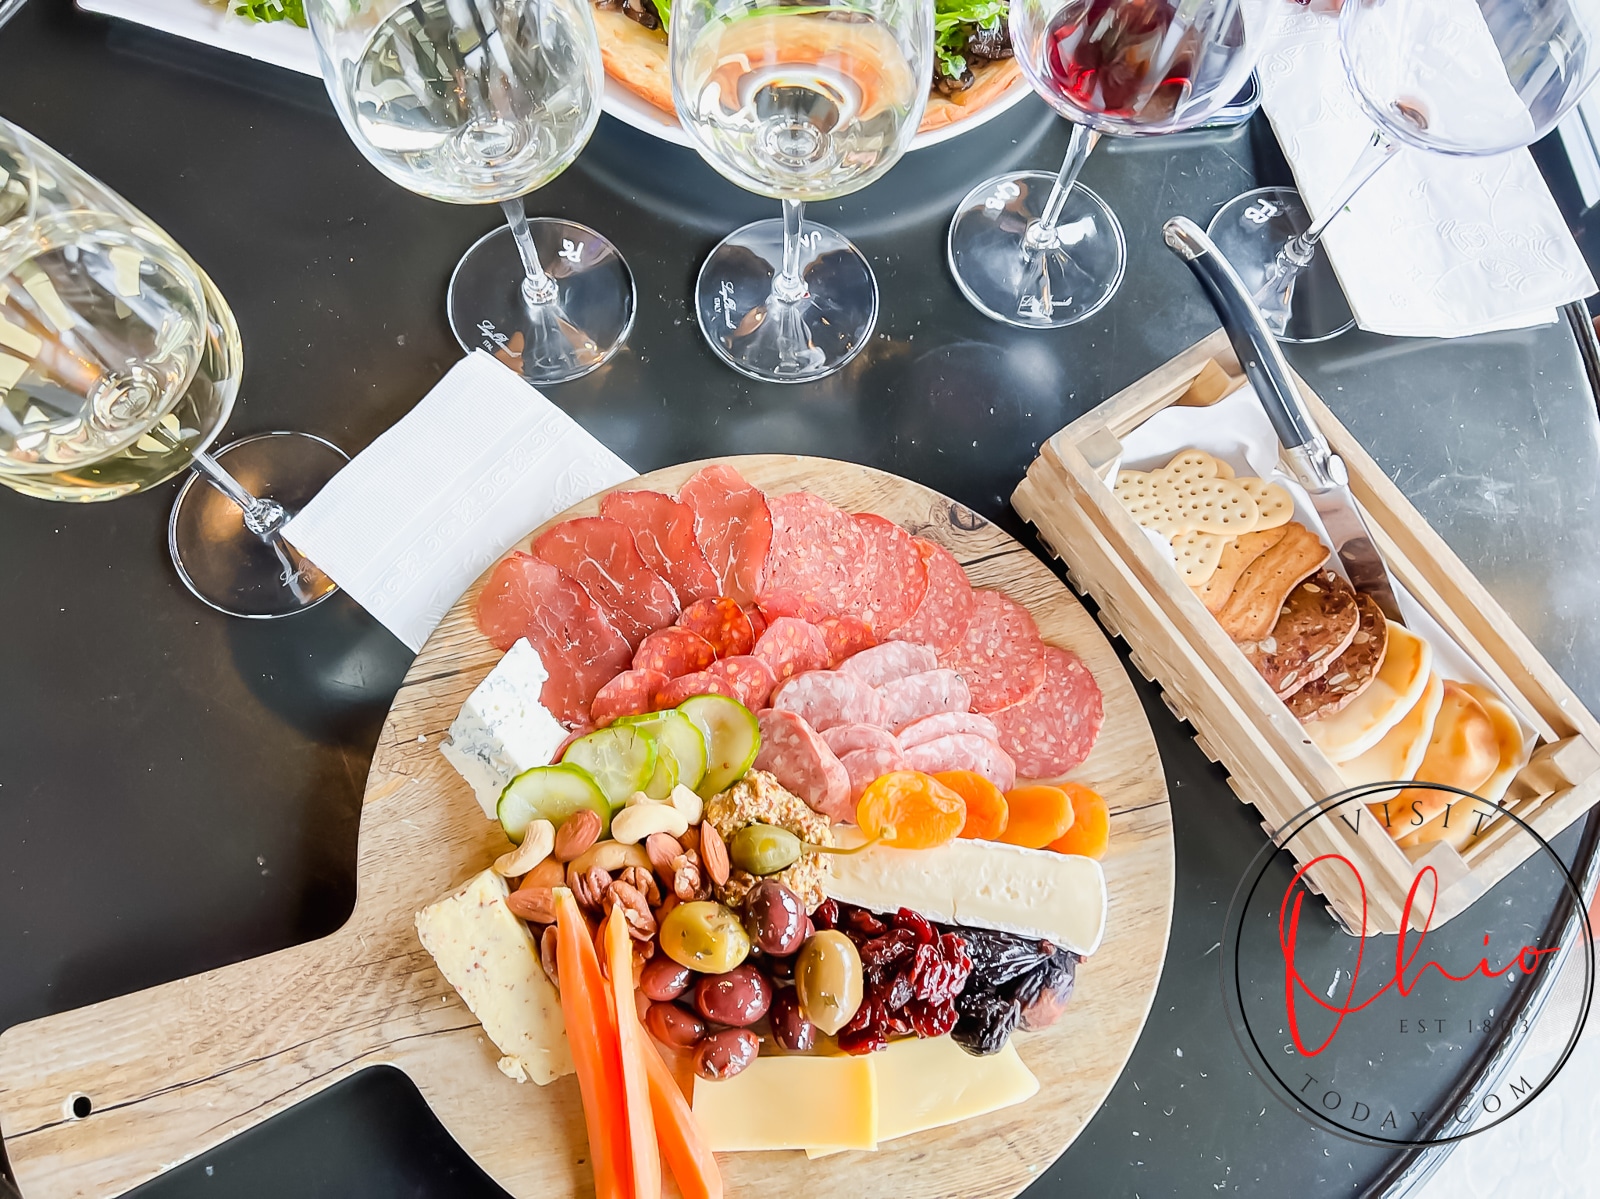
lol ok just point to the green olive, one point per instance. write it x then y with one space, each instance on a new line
827 980
764 849
705 936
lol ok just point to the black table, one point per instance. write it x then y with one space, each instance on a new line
179 790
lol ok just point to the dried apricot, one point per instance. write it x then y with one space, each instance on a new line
1091 825
1037 816
986 804
911 810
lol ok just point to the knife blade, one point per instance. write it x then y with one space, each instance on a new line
1320 471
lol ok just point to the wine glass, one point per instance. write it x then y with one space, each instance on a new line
796 101
1042 252
119 363
482 102
1468 79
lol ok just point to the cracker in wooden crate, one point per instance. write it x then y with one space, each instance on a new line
1275 503
1237 555
1216 506
1318 622
1197 555
1265 584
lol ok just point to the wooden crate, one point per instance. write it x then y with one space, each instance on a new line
1239 722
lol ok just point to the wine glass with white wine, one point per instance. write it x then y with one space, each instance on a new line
796 101
482 102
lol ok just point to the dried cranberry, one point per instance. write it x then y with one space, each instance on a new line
932 1019
897 992
899 1024
862 925
883 953
916 924
868 1040
827 914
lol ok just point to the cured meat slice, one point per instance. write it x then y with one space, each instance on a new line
817 553
865 765
890 661
750 678
629 694
1055 730
941 618
600 553
893 577
964 751
663 529
825 698
942 724
844 738
581 649
734 528
799 759
721 622
1000 655
702 682
758 622
846 636
674 652
908 700
791 646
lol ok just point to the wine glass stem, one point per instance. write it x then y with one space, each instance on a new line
1298 251
1041 235
788 286
262 517
537 288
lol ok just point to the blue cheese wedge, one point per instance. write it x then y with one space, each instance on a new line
1058 897
503 729
489 957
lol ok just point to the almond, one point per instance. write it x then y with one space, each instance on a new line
547 955
662 848
537 904
714 854
548 873
577 834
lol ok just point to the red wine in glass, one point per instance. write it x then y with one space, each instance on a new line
1129 63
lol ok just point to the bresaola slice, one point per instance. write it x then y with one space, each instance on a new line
941 618
798 758
733 527
629 694
722 623
825 698
1054 731
892 660
893 578
812 566
663 529
1000 655
601 555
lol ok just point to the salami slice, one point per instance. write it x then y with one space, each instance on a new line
674 652
663 529
722 623
702 682
629 694
942 724
964 751
893 578
1053 731
825 698
1000 655
817 552
600 553
758 622
941 618
908 700
791 646
890 661
750 678
734 528
844 738
846 636
865 765
581 649
800 760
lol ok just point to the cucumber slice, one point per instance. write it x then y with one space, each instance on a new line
666 776
621 760
549 793
676 732
732 739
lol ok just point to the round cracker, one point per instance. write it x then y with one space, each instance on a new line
1191 466
1275 503
1216 506
1197 555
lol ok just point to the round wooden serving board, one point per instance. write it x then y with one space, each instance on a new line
172 1071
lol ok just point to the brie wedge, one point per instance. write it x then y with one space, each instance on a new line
503 729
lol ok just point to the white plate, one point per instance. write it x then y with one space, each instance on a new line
287 45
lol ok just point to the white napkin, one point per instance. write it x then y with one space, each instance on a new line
1433 245
427 507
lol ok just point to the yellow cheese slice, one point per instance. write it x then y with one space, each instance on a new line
791 1103
1402 749
929 1083
1361 724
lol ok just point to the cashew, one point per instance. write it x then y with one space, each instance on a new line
638 797
634 824
536 845
610 856
687 802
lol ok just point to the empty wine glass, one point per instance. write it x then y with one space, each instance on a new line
482 102
1469 78
796 101
1044 251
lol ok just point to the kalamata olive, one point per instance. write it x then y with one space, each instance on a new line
723 1054
775 918
663 979
704 936
674 1024
790 1028
739 997
827 979
779 970
764 849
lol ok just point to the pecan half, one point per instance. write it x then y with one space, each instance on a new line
687 882
642 881
714 854
635 911
578 833
590 889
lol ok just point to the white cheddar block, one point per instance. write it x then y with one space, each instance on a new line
1057 897
790 1103
503 729
490 958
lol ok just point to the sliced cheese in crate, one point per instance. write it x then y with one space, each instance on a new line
1058 897
490 958
791 1103
503 729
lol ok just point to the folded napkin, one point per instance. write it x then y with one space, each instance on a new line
427 507
1433 245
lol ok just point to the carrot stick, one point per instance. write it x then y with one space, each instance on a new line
592 1037
690 1159
646 1158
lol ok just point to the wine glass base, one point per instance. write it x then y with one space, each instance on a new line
766 339
1046 288
226 565
545 343
1250 229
